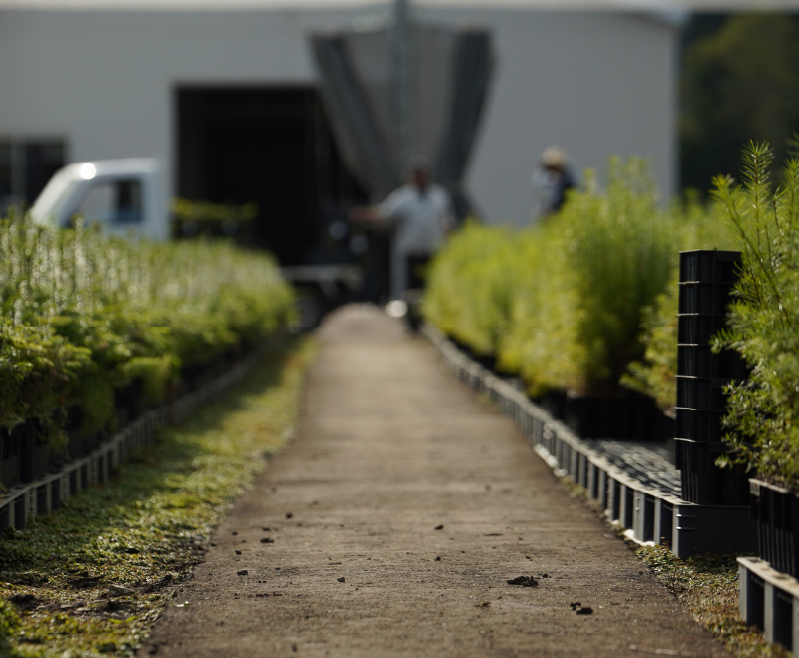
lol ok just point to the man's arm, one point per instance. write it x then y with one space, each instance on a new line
386 212
365 214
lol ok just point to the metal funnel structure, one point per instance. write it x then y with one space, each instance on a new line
402 89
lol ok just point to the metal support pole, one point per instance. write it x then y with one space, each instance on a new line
403 51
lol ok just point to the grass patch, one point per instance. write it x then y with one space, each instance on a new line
708 586
705 584
144 530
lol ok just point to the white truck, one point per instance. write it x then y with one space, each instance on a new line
126 196
122 196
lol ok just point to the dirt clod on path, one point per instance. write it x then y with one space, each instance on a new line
390 447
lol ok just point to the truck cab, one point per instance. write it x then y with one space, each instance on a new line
122 196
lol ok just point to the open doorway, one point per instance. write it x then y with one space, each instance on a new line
272 146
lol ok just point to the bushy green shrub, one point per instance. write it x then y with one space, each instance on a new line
698 227
562 303
82 313
764 318
620 251
471 287
541 339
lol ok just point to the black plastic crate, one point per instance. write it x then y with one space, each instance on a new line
10 456
699 426
709 266
699 361
701 393
704 298
698 329
777 515
703 482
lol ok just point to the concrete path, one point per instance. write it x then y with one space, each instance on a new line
392 522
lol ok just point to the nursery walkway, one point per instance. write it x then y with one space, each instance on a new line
392 522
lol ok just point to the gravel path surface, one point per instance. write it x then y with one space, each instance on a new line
392 523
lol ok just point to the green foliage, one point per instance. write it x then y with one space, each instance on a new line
9 627
764 319
156 372
561 303
541 341
147 527
208 211
621 253
192 219
78 307
738 83
470 288
698 227
655 375
97 402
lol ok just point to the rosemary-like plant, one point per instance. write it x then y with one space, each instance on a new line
764 318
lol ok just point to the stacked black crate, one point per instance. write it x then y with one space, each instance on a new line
706 282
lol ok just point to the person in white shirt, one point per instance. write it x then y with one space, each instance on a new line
421 213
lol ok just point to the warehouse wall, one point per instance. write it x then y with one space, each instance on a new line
597 84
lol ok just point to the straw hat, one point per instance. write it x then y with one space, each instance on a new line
554 156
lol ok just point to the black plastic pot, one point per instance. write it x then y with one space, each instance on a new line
195 376
629 417
34 455
554 402
10 458
128 401
776 511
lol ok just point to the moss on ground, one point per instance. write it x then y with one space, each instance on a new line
144 530
708 586
705 584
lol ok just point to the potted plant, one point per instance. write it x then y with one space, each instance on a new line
763 411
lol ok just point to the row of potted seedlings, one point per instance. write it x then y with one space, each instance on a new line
96 329
26 454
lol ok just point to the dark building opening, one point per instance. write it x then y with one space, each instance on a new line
274 147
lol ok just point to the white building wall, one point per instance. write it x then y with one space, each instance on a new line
597 84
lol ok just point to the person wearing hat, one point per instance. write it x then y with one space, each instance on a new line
554 178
